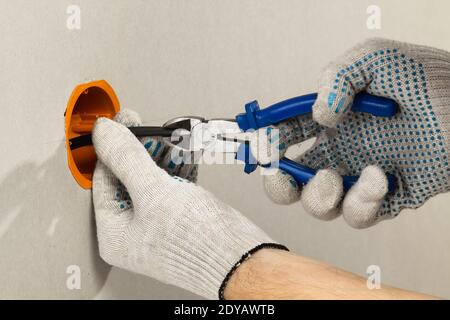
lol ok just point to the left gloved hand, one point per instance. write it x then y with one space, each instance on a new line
164 225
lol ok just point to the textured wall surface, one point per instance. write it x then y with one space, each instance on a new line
170 58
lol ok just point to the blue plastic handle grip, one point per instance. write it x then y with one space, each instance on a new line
255 118
303 174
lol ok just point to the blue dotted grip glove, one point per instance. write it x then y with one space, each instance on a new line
413 145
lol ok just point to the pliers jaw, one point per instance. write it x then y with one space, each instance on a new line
198 134
185 122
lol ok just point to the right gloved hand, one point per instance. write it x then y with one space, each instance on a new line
160 225
413 145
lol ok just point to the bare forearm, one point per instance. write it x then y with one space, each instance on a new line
276 274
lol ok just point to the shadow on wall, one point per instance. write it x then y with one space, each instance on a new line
46 225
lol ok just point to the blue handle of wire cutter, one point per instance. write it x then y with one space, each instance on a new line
255 118
303 174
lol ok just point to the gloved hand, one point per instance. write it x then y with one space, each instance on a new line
159 225
413 145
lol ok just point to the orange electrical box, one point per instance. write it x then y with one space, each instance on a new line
87 102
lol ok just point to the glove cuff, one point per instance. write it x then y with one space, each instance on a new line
440 98
244 258
203 262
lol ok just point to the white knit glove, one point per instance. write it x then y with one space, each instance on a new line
164 226
413 145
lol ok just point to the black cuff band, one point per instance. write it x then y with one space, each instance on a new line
244 257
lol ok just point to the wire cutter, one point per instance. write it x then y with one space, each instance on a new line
231 135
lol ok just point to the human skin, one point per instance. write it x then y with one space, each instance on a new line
278 274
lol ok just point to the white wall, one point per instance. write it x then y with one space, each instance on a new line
169 58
